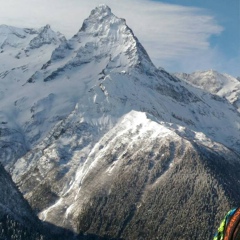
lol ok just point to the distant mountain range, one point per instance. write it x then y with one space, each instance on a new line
102 142
211 81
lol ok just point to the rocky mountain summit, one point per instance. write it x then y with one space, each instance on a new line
102 142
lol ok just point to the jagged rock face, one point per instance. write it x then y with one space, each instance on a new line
103 40
106 132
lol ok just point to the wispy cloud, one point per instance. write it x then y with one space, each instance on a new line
171 34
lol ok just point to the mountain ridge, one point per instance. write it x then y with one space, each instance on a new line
94 114
102 35
211 81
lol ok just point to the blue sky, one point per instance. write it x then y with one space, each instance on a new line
179 35
226 14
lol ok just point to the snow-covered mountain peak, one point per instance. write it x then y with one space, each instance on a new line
11 36
214 82
219 77
103 22
105 41
27 38
210 80
5 29
101 11
74 119
46 36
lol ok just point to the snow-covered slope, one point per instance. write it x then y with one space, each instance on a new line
103 40
222 85
20 47
103 72
97 99
22 52
140 169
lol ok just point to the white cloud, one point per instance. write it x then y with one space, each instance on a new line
171 34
